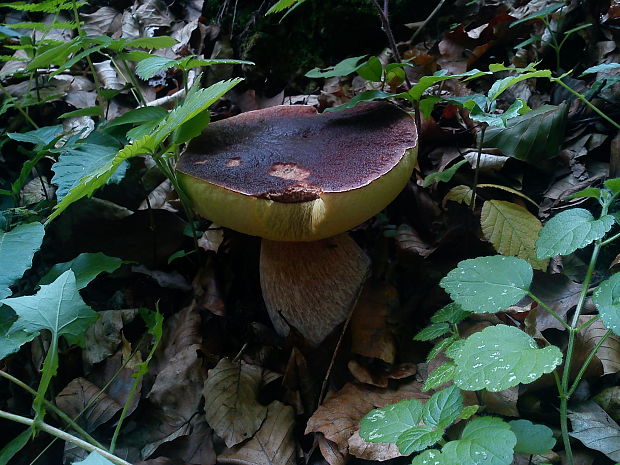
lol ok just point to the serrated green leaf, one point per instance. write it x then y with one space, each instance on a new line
571 230
613 185
591 192
532 137
601 67
47 6
192 62
443 407
500 357
488 284
39 137
139 115
432 331
484 441
512 230
443 176
531 438
469 411
152 42
149 67
55 55
458 194
282 5
17 248
455 348
440 346
428 457
418 438
56 307
388 423
451 313
343 68
86 267
440 375
607 300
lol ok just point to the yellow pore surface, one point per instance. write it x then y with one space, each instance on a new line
331 214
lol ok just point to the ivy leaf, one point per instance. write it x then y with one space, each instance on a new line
485 440
443 176
512 230
571 230
86 267
388 423
443 407
57 307
531 438
17 248
440 375
418 438
607 300
500 357
488 284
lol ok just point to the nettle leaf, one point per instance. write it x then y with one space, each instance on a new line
344 68
512 230
17 248
488 284
607 300
451 313
532 137
388 423
443 176
56 307
485 440
418 438
86 267
531 438
571 230
440 375
500 357
432 331
443 407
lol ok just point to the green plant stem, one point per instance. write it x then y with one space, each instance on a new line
586 101
19 107
549 310
63 435
587 323
477 170
610 240
584 367
54 409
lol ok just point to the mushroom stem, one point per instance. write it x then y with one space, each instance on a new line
311 286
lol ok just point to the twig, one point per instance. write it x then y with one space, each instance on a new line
426 21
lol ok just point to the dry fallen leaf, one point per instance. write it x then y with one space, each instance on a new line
609 352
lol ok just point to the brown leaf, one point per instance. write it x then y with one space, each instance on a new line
302 387
371 336
231 405
330 451
558 292
104 335
380 378
78 394
501 403
207 292
372 451
408 240
273 444
609 352
196 446
609 400
339 416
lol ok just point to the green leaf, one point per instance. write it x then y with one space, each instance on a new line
512 230
440 375
86 267
14 446
532 137
192 62
344 68
599 68
94 459
17 248
282 5
607 300
469 411
539 14
10 342
488 284
366 96
500 357
139 115
531 438
55 55
571 230
418 438
428 457
149 67
591 192
46 6
441 346
484 441
432 331
451 313
388 423
56 307
443 176
415 93
371 70
501 85
443 407
458 194
613 185
90 111
41 137
192 128
152 42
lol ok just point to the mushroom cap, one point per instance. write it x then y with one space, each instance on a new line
287 173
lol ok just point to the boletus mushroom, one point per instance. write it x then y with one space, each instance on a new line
299 180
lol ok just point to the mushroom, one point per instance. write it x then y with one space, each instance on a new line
299 180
